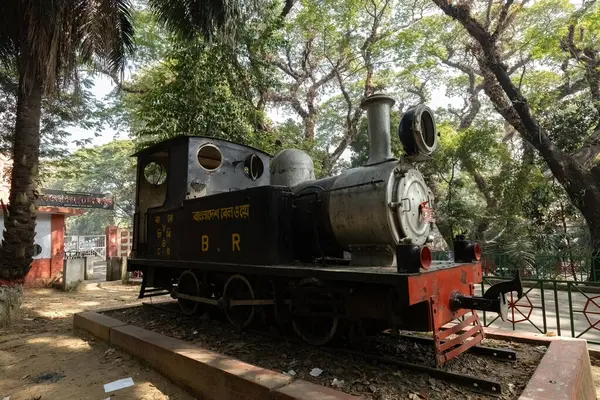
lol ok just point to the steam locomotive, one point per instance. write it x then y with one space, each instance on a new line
221 225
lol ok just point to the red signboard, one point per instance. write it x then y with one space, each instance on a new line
61 198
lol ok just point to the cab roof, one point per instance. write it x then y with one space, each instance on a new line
185 138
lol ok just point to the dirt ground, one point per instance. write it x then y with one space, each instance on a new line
42 358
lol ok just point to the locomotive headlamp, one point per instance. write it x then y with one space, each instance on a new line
418 132
425 257
477 251
411 258
466 251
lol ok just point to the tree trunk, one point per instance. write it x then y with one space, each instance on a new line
16 251
594 227
310 125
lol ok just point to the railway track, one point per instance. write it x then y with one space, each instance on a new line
375 349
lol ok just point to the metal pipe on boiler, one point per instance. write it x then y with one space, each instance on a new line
378 115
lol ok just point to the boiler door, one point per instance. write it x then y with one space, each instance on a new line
412 192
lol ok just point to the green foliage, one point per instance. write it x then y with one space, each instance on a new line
197 90
570 124
192 19
151 39
73 105
57 37
102 169
543 25
457 205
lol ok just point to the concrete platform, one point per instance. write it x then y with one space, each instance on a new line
563 373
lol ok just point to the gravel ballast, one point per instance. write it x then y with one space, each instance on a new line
351 374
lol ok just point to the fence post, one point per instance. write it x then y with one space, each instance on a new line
556 308
89 267
124 274
595 263
543 306
113 267
111 242
571 309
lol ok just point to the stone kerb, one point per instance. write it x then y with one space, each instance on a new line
565 371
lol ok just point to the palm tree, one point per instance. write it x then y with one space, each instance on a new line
193 19
45 41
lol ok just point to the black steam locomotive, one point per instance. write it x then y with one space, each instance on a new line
220 224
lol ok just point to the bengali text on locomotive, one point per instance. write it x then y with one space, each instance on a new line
236 212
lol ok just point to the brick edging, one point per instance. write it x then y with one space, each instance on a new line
207 374
572 380
523 337
531 338
565 372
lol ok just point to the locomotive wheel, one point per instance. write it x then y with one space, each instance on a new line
238 288
315 330
188 284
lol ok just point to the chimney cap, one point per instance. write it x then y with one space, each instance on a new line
377 98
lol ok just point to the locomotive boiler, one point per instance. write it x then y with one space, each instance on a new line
224 226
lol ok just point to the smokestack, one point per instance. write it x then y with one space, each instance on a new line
378 114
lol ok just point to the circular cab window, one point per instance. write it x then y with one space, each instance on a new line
253 167
155 173
210 157
37 250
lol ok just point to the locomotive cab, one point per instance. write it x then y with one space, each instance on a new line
190 167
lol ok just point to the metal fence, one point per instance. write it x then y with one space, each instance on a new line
568 266
85 245
561 295
551 307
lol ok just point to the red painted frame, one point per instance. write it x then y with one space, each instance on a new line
441 283
437 287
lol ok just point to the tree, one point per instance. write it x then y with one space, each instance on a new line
581 183
101 169
208 20
439 53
